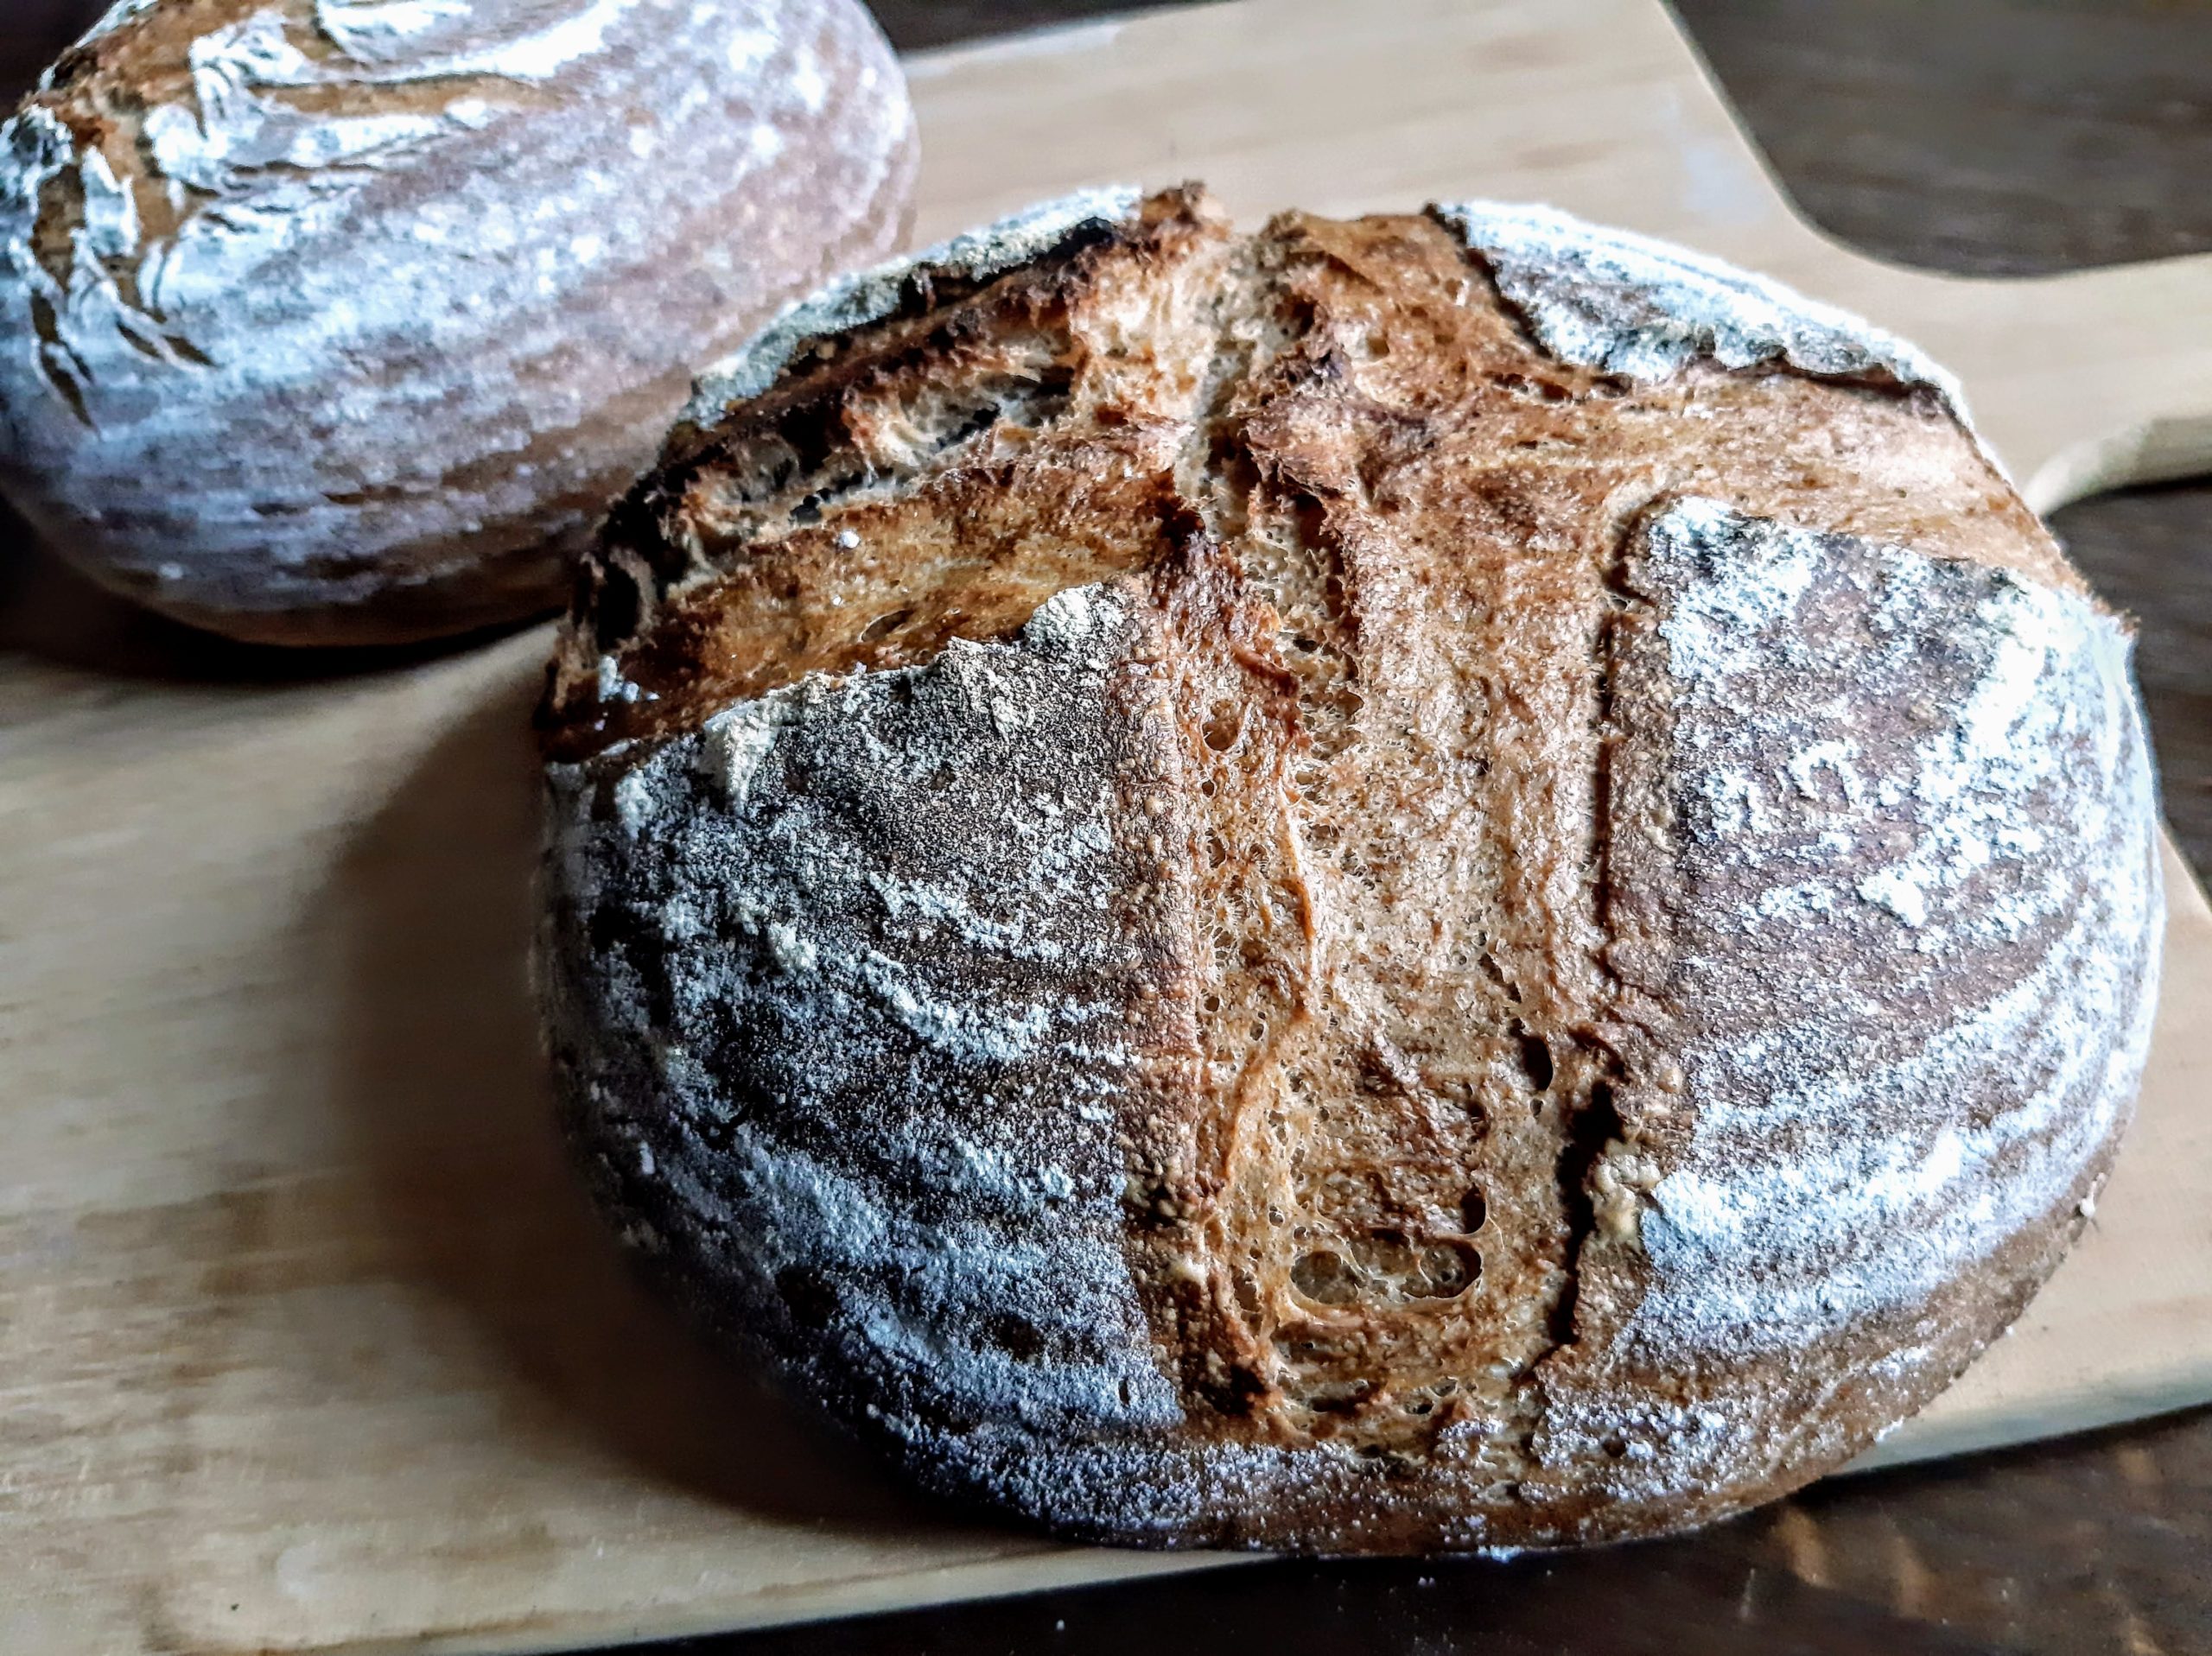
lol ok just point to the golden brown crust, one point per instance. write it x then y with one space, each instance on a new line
937 477
1505 751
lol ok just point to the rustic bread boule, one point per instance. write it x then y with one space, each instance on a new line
1441 881
344 323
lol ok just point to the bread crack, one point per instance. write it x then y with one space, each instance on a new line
941 475
1596 1125
1324 1261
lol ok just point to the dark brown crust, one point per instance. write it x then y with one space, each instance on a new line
1423 940
737 535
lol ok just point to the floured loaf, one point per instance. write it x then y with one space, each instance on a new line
344 321
1445 881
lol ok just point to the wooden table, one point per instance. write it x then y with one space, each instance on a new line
1990 135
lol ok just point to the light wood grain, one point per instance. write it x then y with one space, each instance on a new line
306 1341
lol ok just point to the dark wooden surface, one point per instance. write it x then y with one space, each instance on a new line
2001 137
1987 136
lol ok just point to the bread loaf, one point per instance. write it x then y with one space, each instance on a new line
345 321
1444 881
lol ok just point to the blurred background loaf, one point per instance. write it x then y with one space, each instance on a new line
342 323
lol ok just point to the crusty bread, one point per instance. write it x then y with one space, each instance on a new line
1442 881
346 325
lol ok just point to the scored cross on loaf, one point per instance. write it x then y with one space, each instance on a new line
1446 880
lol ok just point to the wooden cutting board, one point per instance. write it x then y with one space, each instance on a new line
306 1341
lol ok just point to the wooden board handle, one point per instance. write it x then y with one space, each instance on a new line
2164 428
2082 382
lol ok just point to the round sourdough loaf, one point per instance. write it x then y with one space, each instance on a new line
1446 881
343 322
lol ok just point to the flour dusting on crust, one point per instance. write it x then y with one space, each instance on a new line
870 296
1996 858
1914 881
1628 305
880 899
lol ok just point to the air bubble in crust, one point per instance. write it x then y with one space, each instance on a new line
1326 1277
1447 1270
1537 1059
884 625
